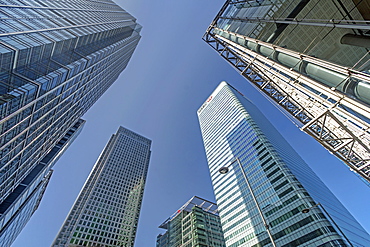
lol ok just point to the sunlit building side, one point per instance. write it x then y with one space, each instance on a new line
106 212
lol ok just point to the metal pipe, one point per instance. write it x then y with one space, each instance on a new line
307 22
355 40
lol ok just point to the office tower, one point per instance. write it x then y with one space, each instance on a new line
106 211
195 224
266 194
19 206
311 58
56 59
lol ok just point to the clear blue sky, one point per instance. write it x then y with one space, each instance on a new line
170 75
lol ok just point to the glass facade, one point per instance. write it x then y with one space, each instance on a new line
195 224
264 185
107 209
334 31
56 59
18 207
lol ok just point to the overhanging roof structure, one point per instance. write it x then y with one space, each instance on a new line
328 101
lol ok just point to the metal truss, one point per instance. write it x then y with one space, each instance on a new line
324 118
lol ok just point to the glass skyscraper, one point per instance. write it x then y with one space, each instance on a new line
56 59
195 224
106 212
266 194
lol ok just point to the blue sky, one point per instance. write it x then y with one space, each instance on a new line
170 75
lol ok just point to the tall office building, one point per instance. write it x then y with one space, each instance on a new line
19 206
311 57
195 224
56 59
266 194
106 212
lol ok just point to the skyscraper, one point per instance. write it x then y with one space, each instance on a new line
107 209
19 206
311 58
265 192
56 59
195 224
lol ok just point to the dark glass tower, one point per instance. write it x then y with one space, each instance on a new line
107 210
56 59
266 194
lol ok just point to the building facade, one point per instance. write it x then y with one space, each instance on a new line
106 212
266 194
19 206
56 59
311 58
195 224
